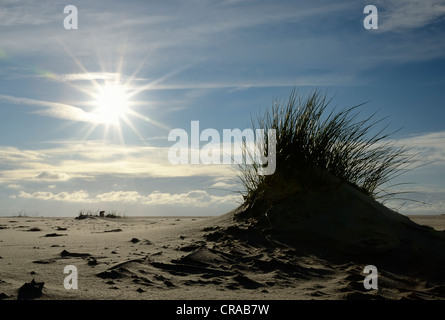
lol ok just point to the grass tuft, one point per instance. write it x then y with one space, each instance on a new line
312 145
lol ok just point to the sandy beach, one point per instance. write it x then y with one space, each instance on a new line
181 258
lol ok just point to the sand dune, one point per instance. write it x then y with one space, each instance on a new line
232 256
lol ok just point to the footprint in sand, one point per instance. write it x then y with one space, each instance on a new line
48 235
65 254
113 230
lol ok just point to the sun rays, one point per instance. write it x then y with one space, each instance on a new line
111 99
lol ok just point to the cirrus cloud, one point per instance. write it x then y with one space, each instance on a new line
410 14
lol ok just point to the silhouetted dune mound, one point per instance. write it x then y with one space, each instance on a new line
326 237
320 201
341 223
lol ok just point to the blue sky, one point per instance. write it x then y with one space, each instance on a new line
218 62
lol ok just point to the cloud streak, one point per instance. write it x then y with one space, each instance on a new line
409 14
194 198
53 176
90 159
206 33
52 109
430 146
64 160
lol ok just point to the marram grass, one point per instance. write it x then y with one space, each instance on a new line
313 144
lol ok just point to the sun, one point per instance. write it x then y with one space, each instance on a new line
111 104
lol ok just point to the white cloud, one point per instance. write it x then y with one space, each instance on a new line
120 196
426 198
15 186
324 80
409 14
51 175
223 185
88 76
161 33
77 196
194 198
226 183
418 199
52 109
429 146
417 208
89 159
11 155
36 14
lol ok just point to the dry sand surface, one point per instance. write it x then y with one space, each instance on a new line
182 258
